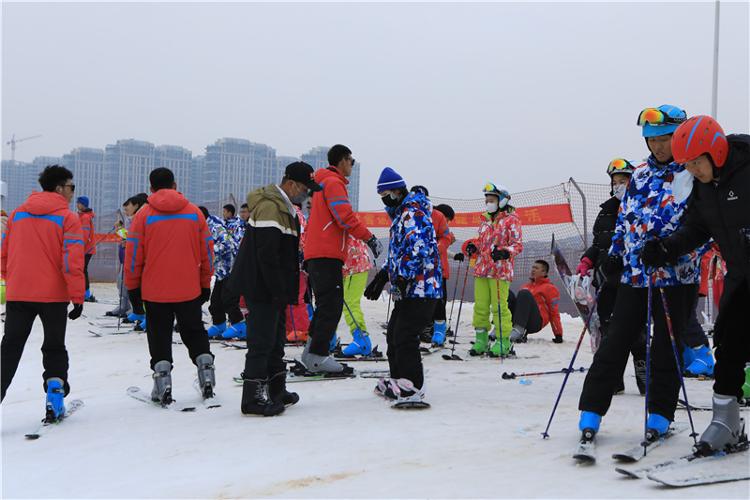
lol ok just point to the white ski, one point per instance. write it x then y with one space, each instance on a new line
638 451
705 470
44 426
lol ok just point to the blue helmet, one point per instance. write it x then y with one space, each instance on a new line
663 120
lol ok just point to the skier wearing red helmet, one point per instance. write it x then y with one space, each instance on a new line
719 209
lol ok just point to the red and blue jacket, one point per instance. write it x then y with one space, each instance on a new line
42 251
332 218
169 251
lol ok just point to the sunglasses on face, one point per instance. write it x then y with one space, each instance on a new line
71 186
654 116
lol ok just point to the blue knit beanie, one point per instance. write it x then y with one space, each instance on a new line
389 179
83 200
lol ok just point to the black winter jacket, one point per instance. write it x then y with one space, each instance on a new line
721 210
604 228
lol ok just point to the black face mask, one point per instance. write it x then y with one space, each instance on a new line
389 201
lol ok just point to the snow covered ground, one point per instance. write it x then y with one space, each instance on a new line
481 438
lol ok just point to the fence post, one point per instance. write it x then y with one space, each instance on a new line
585 210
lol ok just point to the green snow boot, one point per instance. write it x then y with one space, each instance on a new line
746 385
500 348
481 344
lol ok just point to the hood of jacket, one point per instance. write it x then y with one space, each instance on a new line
168 200
739 156
267 193
43 203
323 174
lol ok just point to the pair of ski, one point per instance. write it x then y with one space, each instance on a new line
206 403
689 470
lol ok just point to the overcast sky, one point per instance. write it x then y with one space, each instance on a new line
450 95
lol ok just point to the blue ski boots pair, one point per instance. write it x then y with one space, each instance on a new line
236 331
216 331
438 333
55 396
360 344
699 361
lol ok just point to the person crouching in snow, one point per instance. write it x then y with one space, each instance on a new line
356 268
414 271
498 243
536 305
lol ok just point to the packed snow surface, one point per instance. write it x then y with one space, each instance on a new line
481 438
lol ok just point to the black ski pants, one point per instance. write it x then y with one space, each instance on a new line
19 319
408 319
266 334
86 259
732 344
327 283
160 317
605 304
224 304
441 303
628 320
525 311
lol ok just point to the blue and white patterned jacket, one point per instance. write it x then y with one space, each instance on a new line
653 207
412 251
226 246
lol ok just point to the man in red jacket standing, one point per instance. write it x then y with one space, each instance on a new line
168 266
331 220
42 260
536 306
86 215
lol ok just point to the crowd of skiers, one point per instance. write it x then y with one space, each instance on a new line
274 263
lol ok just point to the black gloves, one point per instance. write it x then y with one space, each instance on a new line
471 249
375 288
612 265
459 257
135 300
205 295
375 246
656 254
75 313
500 254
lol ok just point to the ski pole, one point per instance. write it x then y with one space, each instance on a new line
648 365
453 356
677 362
512 375
545 434
294 327
455 291
122 283
351 315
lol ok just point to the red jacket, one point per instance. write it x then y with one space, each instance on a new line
331 218
169 251
87 225
444 239
547 300
42 251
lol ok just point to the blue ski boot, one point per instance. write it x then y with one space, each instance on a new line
236 331
133 317
438 333
588 424
55 403
360 345
702 363
215 331
656 426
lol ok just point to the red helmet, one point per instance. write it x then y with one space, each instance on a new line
699 135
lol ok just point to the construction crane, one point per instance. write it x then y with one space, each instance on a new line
12 142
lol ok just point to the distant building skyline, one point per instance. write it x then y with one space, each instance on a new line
224 173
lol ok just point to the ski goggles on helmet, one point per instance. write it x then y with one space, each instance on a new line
655 116
620 166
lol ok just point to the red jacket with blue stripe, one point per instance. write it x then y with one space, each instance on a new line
331 218
169 251
42 251
87 226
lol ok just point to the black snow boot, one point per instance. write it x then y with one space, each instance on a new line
277 390
254 400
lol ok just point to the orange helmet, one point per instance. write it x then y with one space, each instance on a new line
700 135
